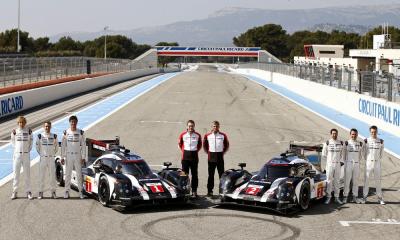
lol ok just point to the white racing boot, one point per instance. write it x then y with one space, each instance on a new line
14 195
337 200
327 201
29 195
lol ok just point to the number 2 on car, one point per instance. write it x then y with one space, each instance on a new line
253 189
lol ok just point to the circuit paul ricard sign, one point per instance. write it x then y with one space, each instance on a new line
389 113
10 105
208 51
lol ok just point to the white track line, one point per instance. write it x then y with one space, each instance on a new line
389 222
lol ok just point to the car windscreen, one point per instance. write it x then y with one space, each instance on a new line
273 172
136 168
313 159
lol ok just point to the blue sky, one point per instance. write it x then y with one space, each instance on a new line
49 17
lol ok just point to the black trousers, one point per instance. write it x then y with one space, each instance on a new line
215 161
190 163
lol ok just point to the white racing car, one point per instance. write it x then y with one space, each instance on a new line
118 177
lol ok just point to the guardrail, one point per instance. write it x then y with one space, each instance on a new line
365 82
15 102
15 71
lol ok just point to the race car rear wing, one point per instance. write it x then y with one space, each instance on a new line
303 148
96 148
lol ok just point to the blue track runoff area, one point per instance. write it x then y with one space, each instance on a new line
87 117
345 121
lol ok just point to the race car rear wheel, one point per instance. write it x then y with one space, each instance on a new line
104 192
305 195
59 174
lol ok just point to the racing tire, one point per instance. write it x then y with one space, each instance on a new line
305 196
104 192
60 174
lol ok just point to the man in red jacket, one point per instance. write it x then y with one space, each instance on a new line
190 144
215 144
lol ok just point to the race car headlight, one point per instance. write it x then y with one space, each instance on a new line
285 190
225 184
239 180
122 186
272 193
185 186
282 190
292 171
135 191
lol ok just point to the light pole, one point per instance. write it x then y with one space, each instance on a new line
105 42
19 14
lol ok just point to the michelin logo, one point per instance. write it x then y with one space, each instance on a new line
11 105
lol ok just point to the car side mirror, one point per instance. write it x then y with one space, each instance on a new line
242 165
118 169
96 168
167 164
88 171
311 173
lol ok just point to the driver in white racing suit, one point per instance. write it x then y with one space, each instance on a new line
352 160
47 147
73 153
21 139
333 152
373 156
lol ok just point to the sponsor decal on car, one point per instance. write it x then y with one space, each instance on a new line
253 189
88 184
155 187
320 189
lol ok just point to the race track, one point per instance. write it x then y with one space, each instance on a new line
259 125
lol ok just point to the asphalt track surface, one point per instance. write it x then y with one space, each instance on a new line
259 125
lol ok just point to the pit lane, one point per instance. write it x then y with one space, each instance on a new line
259 125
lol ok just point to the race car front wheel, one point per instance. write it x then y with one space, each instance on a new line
305 195
104 192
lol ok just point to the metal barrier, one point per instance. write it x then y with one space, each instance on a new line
365 82
15 71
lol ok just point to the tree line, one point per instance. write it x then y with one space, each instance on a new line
270 37
118 46
277 41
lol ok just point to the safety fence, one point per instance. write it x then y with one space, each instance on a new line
366 82
15 71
